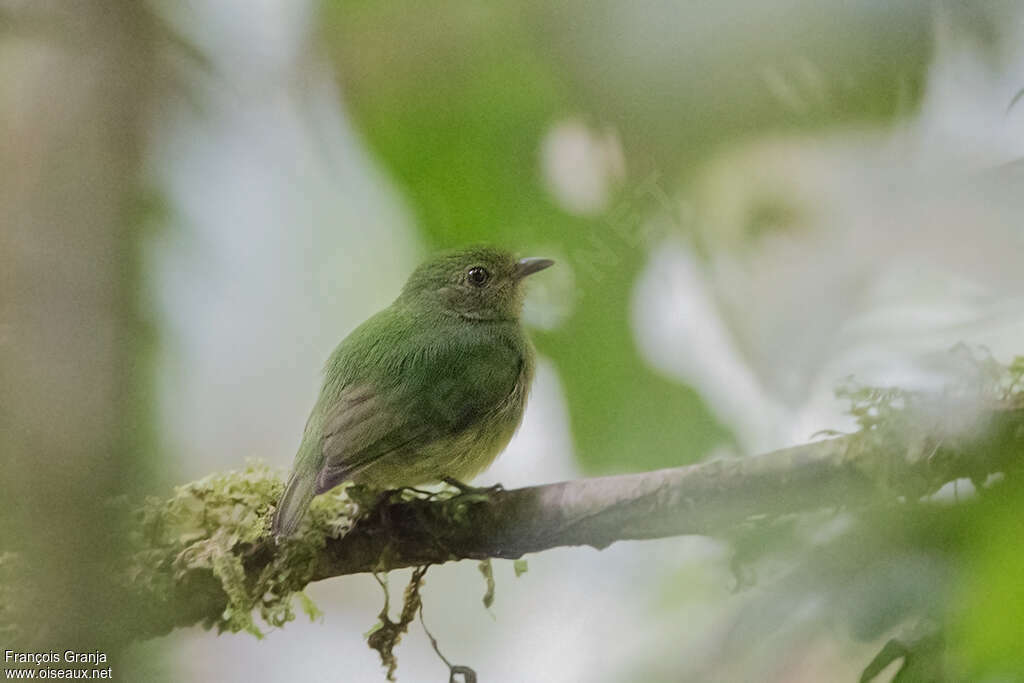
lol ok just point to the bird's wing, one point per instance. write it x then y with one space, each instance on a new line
439 391
360 428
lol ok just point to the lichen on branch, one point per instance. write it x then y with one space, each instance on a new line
205 557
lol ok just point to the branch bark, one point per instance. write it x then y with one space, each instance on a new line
696 499
847 471
883 465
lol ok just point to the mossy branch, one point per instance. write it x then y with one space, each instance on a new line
849 471
203 556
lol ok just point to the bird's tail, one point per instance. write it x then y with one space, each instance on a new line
292 508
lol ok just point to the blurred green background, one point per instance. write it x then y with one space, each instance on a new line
748 202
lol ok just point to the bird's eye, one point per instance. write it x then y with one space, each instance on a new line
478 276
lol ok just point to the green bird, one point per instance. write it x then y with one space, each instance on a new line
431 388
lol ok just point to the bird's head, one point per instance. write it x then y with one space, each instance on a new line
478 283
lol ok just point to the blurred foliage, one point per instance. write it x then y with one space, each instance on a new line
919 654
929 584
987 632
456 98
674 78
679 78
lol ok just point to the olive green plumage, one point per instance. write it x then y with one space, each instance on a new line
431 387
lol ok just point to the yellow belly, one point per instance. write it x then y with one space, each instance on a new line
461 456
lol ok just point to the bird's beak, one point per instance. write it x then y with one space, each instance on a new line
529 266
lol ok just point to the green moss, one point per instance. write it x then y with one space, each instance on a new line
487 570
218 525
386 634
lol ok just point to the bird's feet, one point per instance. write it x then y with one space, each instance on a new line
467 489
